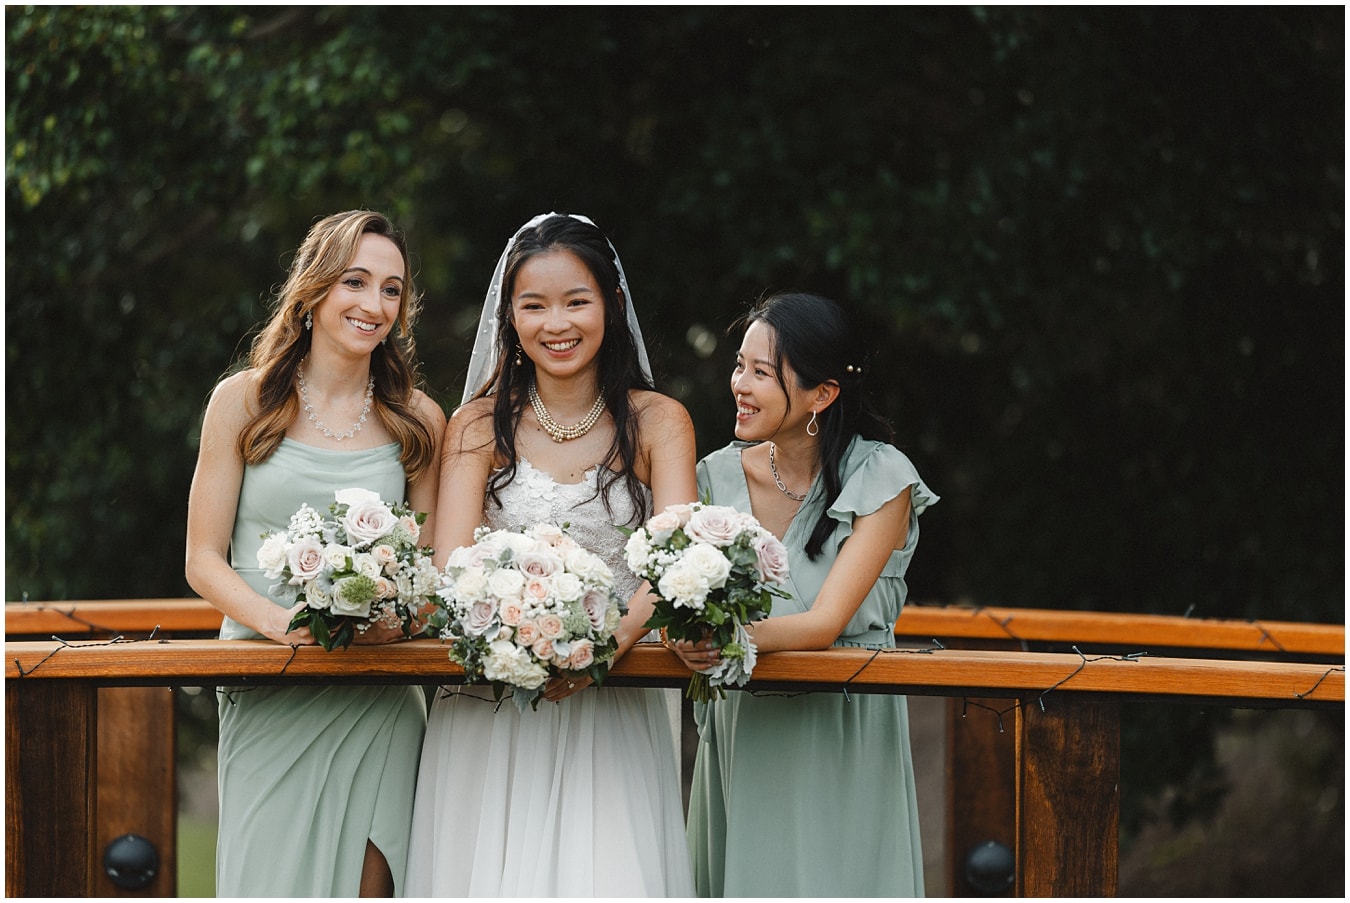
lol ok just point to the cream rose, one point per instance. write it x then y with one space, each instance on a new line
715 524
367 521
527 633
550 626
582 655
537 563
663 526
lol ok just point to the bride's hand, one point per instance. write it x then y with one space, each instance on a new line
376 633
559 688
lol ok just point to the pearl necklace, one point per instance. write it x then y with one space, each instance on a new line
556 430
773 468
314 418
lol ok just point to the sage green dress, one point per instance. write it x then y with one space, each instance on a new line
812 795
308 773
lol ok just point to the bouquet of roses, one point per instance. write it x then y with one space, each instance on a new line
714 570
360 565
519 607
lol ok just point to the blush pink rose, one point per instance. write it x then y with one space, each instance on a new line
715 524
305 558
771 559
527 633
583 654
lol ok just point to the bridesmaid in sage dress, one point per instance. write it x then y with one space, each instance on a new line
316 782
811 794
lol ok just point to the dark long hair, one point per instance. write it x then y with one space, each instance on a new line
620 371
812 338
282 344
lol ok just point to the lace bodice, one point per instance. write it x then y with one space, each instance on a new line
534 497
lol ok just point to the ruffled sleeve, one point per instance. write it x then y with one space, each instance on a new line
875 473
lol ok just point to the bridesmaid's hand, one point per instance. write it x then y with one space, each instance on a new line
559 688
698 656
277 627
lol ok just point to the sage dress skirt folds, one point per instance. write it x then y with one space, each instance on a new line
813 795
308 774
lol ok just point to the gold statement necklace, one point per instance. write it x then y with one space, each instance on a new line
557 431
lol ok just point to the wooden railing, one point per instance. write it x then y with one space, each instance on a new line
984 626
1062 708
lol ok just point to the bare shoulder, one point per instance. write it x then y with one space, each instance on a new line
233 400
660 416
428 411
470 426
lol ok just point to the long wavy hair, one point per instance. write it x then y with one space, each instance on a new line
813 340
284 342
620 371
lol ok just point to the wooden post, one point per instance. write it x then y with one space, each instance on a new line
1068 797
137 784
50 749
981 785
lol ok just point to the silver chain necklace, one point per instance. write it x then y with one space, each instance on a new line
314 418
556 430
773 468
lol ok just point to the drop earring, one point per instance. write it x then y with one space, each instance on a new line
309 320
519 362
812 428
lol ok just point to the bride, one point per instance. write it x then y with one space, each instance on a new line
580 797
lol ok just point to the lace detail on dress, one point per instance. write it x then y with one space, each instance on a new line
534 497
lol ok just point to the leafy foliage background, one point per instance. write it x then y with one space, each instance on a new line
1100 252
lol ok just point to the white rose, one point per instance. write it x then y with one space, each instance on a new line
505 583
366 565
637 552
317 596
589 567
518 543
355 496
716 524
367 521
548 533
471 584
709 563
683 586
568 587
336 555
272 555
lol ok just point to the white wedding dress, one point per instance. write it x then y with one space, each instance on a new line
576 799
